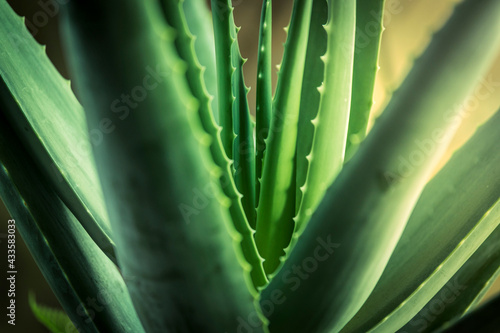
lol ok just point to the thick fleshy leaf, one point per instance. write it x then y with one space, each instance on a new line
58 140
349 240
184 44
199 20
314 72
264 91
73 265
444 223
276 207
463 290
243 144
175 243
237 130
222 15
433 284
369 28
326 156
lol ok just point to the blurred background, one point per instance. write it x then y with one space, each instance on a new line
409 26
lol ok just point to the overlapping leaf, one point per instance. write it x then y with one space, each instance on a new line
158 176
184 44
277 194
75 268
366 209
51 122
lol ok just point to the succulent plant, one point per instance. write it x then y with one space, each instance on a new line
159 204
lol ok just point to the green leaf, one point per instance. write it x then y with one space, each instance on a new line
73 265
483 320
446 220
481 289
277 194
264 90
369 30
184 42
235 119
222 15
326 156
199 20
175 242
464 289
58 140
314 72
54 320
243 145
443 273
366 209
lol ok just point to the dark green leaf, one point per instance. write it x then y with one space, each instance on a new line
159 179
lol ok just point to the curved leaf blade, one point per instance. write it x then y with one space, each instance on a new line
410 307
464 289
314 72
331 122
198 19
237 130
181 276
73 265
184 44
264 93
447 212
59 140
222 13
369 30
277 194
243 144
364 212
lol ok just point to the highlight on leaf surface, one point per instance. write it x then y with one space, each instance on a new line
190 215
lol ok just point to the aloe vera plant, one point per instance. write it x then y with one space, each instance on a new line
162 198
